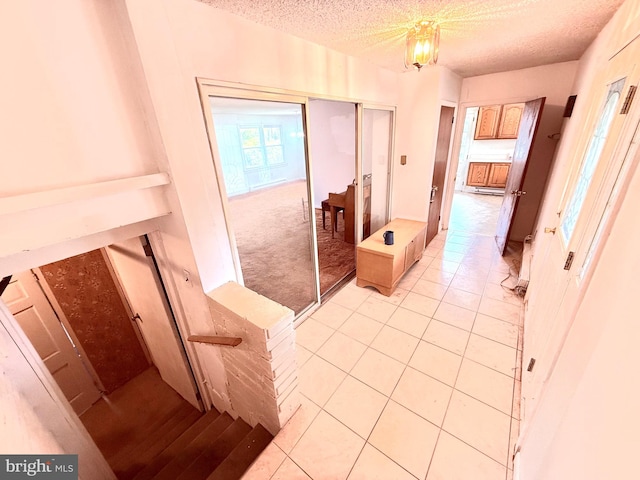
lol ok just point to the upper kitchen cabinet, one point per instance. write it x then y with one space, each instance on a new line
510 120
488 122
498 121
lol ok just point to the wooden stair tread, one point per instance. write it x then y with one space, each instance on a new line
178 445
194 449
213 456
142 434
157 444
243 455
161 427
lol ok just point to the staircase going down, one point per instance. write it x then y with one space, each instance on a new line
212 446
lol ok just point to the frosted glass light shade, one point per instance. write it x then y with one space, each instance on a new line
422 45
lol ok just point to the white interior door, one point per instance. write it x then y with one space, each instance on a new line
555 297
30 307
145 295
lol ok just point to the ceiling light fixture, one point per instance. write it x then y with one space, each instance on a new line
423 41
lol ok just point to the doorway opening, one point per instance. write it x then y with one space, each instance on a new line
495 192
102 325
476 198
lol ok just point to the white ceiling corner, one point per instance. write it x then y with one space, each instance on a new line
477 36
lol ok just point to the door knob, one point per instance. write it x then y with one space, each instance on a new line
550 230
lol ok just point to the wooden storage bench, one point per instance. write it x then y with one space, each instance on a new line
382 266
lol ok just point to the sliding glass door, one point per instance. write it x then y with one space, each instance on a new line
277 206
263 164
377 129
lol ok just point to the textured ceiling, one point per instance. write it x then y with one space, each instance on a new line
477 36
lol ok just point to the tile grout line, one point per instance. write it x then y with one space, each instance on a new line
397 306
449 404
406 365
454 389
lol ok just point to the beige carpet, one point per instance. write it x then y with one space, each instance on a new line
273 234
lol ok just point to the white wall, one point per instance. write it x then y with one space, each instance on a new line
332 147
421 96
73 114
181 40
106 90
68 125
78 67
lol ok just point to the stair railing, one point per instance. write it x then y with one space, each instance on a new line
216 340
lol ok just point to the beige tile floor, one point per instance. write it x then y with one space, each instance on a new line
419 385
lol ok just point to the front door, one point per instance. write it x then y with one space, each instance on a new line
439 171
30 307
521 155
570 244
145 294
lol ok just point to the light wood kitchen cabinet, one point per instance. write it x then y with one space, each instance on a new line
478 174
510 120
498 174
382 266
498 121
488 174
488 122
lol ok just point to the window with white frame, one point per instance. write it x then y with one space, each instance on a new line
261 146
590 161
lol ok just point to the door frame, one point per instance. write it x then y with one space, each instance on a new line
392 144
165 276
454 151
164 272
446 168
452 164
207 89
56 413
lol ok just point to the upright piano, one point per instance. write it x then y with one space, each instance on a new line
347 201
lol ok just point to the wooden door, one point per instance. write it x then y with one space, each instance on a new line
145 294
521 155
30 307
439 171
